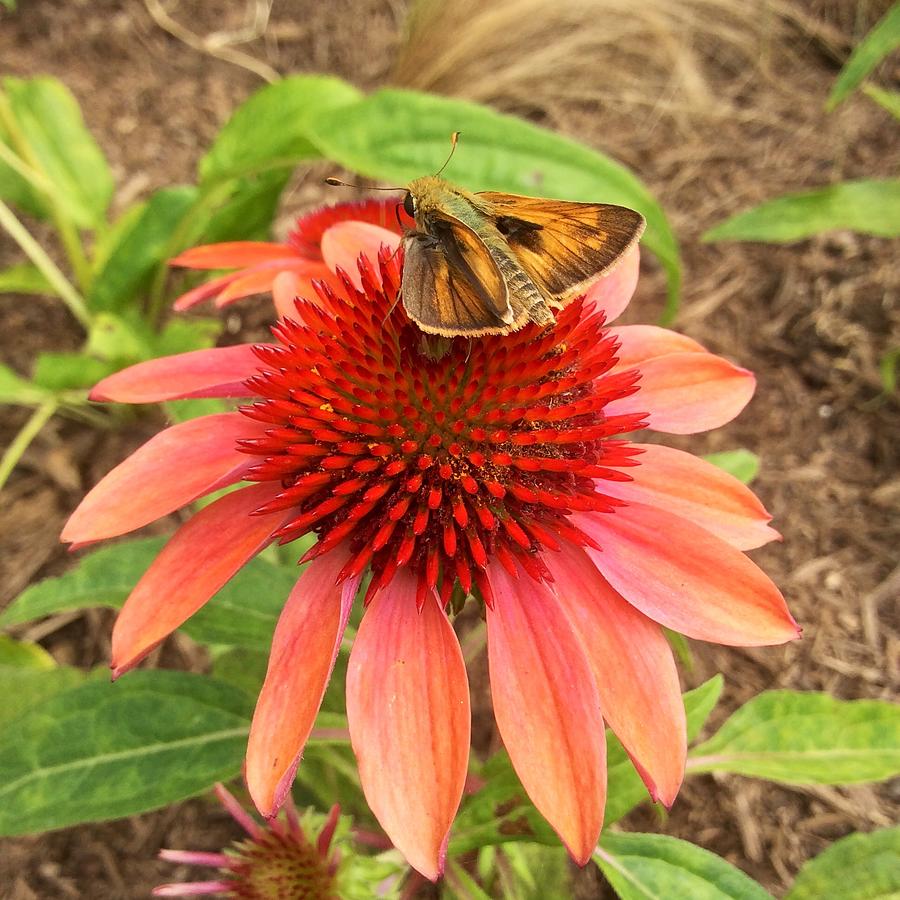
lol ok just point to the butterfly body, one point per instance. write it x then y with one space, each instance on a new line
490 263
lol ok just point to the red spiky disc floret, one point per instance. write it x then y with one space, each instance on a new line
432 453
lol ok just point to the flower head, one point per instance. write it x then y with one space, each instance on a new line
498 464
288 858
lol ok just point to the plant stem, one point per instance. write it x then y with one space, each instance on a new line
36 253
27 433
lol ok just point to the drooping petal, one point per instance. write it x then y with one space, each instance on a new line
686 393
547 708
613 292
343 243
697 490
408 709
204 291
304 648
173 468
260 279
200 557
635 672
638 343
218 372
232 255
686 578
286 288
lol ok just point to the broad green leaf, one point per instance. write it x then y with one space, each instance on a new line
269 130
873 48
248 212
888 100
658 867
806 738
121 338
182 334
857 867
869 206
28 675
69 371
533 872
24 279
243 613
139 250
101 750
700 702
398 135
241 667
182 410
16 390
48 120
743 464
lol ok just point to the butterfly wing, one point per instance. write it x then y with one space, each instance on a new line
451 283
563 247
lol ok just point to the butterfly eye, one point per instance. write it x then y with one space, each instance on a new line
409 205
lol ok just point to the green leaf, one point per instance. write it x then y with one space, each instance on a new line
25 279
400 135
269 130
28 675
118 338
887 366
243 613
869 206
139 249
658 867
857 867
743 464
18 391
48 120
241 667
806 738
182 334
69 371
249 211
888 100
101 751
700 702
873 48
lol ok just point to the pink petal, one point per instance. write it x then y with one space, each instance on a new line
304 648
260 279
634 669
343 243
686 393
218 372
200 557
286 288
232 255
638 343
408 710
613 292
547 708
204 291
173 468
687 579
697 490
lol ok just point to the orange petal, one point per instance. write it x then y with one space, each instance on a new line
304 648
288 286
218 372
547 708
613 291
173 468
638 343
697 490
408 709
233 255
203 291
343 243
634 669
686 393
199 558
260 280
687 579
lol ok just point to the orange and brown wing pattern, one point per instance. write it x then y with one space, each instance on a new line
564 247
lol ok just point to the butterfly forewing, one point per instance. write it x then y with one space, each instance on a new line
563 247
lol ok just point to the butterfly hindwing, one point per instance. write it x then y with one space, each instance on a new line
563 247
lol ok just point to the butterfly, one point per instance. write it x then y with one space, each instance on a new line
490 263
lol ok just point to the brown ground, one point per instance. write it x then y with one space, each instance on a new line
715 112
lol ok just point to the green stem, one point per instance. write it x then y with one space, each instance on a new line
27 433
36 253
68 233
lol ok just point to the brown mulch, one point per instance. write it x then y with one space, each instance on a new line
811 319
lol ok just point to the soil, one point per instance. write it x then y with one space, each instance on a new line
811 319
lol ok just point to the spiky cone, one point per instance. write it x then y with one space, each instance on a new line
498 464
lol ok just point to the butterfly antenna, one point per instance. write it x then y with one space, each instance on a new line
454 139
336 182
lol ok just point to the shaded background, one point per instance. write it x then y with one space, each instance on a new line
716 105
